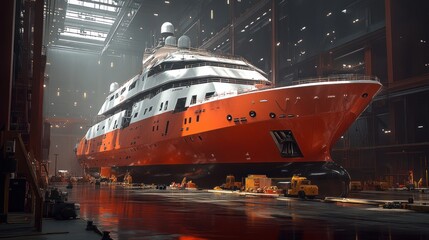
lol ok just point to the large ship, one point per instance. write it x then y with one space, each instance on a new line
195 114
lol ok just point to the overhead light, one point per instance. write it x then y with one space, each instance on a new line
251 40
420 126
278 44
155 14
167 2
344 11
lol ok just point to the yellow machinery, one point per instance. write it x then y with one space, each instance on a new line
231 184
257 183
302 188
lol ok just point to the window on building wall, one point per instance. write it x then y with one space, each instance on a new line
410 39
351 61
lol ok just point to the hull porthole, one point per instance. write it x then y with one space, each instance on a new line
272 115
252 114
229 117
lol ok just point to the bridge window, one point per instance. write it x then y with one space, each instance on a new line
133 85
180 105
209 95
194 99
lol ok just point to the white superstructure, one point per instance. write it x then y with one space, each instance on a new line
172 79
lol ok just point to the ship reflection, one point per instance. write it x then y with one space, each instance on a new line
187 215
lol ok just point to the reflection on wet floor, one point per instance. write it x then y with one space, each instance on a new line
163 214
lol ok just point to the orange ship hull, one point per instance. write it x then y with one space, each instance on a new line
249 128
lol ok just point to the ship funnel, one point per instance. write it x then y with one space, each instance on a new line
170 41
113 87
184 42
167 29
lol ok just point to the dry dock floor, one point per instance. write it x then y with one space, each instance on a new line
136 213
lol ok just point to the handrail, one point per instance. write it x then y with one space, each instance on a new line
336 78
333 78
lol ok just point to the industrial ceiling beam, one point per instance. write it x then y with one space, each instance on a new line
244 17
118 22
100 3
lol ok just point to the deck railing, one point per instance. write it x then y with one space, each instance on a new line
336 78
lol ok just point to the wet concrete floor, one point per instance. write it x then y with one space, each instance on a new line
186 214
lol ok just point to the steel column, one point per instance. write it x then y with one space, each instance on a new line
37 100
7 18
273 42
389 41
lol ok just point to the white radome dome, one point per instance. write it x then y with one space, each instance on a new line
167 29
184 42
113 87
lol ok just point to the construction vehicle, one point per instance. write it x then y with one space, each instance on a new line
301 187
231 184
257 183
